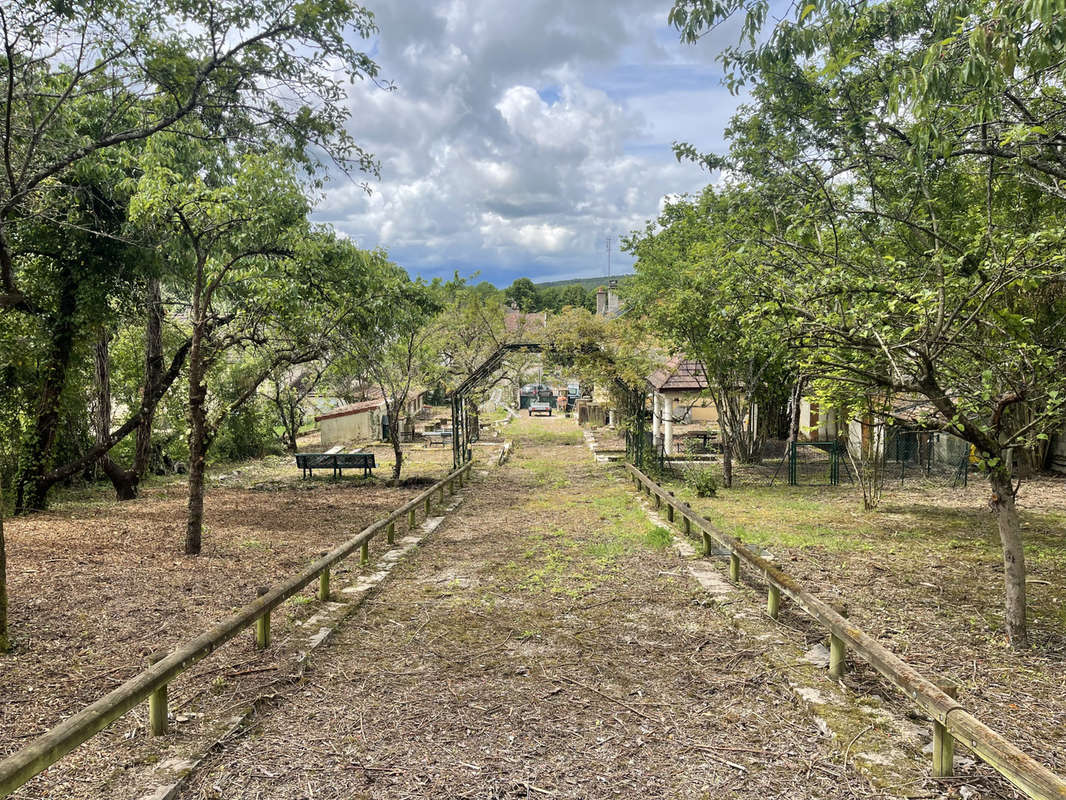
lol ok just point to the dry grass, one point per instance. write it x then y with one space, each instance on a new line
545 643
923 573
96 585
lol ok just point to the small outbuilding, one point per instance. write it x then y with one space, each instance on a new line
358 422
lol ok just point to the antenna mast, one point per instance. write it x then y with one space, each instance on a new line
608 256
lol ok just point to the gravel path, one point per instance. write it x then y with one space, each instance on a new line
544 643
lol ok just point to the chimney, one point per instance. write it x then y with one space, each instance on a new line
601 302
612 298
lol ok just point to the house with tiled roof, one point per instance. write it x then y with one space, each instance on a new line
679 396
363 421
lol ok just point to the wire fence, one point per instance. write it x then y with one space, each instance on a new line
905 456
930 457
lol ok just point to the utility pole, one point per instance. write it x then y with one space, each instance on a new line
608 256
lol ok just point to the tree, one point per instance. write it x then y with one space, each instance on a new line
523 294
155 382
85 77
469 328
87 83
264 291
394 352
289 390
613 353
80 268
696 288
911 262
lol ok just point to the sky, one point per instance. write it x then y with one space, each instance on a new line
521 134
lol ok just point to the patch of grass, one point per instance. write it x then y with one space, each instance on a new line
547 472
658 538
534 431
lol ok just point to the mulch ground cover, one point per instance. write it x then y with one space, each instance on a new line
923 573
545 642
96 586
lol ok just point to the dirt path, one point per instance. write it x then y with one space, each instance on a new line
545 643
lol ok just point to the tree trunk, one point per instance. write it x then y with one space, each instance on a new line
397 450
153 377
727 458
795 403
1010 536
124 481
32 485
5 642
197 441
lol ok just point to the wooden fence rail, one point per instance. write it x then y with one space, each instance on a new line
950 720
151 684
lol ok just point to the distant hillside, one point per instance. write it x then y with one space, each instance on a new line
588 284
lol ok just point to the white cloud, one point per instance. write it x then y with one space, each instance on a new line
522 133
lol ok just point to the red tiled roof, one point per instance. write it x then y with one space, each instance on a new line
679 374
354 408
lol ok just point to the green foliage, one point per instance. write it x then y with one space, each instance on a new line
246 433
702 481
902 166
554 297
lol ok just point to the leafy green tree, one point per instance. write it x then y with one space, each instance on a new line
263 290
911 261
699 291
611 353
395 352
468 329
287 393
80 266
523 293
84 78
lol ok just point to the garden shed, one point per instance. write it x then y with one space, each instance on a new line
358 422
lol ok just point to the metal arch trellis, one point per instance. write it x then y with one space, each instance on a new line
465 426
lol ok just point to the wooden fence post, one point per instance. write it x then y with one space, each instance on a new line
734 568
323 585
838 651
686 524
411 520
943 741
364 553
427 505
773 602
440 499
451 486
262 631
157 702
390 533
708 544
670 512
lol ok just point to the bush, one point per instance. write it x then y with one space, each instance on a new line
702 481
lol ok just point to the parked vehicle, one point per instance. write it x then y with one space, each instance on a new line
540 407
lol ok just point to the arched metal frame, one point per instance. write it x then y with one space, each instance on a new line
466 428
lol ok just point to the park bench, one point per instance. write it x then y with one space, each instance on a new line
339 462
442 437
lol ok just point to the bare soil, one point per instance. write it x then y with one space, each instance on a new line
546 642
96 585
924 574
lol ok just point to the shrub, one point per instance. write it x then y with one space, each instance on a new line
702 481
